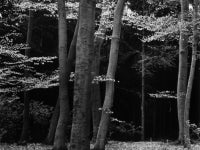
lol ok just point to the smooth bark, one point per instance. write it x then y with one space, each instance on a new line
70 59
183 69
95 88
192 72
60 135
108 102
25 128
80 132
143 95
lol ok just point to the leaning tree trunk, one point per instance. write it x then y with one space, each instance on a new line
95 88
192 71
80 132
182 73
108 102
54 121
60 135
71 56
25 128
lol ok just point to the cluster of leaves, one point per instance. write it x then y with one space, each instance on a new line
194 130
41 113
122 130
10 21
163 94
102 78
50 8
161 28
11 117
11 113
14 65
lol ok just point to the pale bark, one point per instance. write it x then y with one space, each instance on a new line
95 88
192 72
80 132
182 73
60 135
25 128
108 102
70 59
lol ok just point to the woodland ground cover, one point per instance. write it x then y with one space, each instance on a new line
112 145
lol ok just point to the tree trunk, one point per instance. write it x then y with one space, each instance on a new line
25 128
60 135
108 102
143 95
95 88
80 132
182 73
54 121
71 57
192 71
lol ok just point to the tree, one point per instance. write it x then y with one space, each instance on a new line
191 75
60 135
95 87
143 94
53 124
108 102
71 56
80 132
183 69
25 129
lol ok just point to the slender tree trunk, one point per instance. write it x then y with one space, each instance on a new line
143 95
25 128
54 121
80 132
60 135
95 88
182 73
71 57
192 71
108 102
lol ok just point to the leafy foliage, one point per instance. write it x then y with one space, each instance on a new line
41 113
11 113
121 130
14 65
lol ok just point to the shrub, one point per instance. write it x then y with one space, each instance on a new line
11 114
11 119
123 131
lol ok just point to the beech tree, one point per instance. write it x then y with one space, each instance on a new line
70 59
95 87
25 128
80 132
192 71
60 135
108 102
183 71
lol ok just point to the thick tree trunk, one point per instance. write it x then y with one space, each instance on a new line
95 88
71 57
25 128
191 75
182 74
60 135
108 102
80 133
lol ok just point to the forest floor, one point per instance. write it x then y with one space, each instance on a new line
112 145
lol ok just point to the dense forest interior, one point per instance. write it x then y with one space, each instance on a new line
76 72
